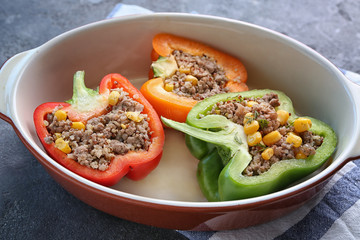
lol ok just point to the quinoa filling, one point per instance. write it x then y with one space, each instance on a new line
271 137
197 77
121 130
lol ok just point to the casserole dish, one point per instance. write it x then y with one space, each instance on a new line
170 197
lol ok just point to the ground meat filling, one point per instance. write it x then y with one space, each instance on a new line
198 77
263 110
121 130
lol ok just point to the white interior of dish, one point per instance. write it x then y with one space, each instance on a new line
123 45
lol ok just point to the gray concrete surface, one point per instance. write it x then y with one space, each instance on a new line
32 204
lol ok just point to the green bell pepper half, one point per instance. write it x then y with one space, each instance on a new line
222 149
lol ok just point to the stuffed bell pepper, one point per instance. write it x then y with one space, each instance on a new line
252 143
186 72
104 134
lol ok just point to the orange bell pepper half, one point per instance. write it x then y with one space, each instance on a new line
171 105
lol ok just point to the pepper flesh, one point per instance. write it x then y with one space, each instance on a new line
171 105
134 164
222 182
164 44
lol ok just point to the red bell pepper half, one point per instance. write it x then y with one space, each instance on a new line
86 104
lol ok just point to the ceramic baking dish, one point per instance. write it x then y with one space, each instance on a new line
170 197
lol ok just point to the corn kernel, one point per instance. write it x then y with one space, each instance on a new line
57 135
62 145
267 153
60 115
253 139
185 70
248 117
271 138
294 139
78 125
251 103
135 116
302 124
123 126
169 87
300 155
192 79
251 127
282 116
113 98
217 111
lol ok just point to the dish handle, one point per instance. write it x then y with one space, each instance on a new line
9 73
355 89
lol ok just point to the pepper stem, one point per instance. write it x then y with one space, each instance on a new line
85 99
229 139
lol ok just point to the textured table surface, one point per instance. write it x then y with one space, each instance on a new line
32 204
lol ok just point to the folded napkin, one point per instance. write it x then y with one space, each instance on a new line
333 214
